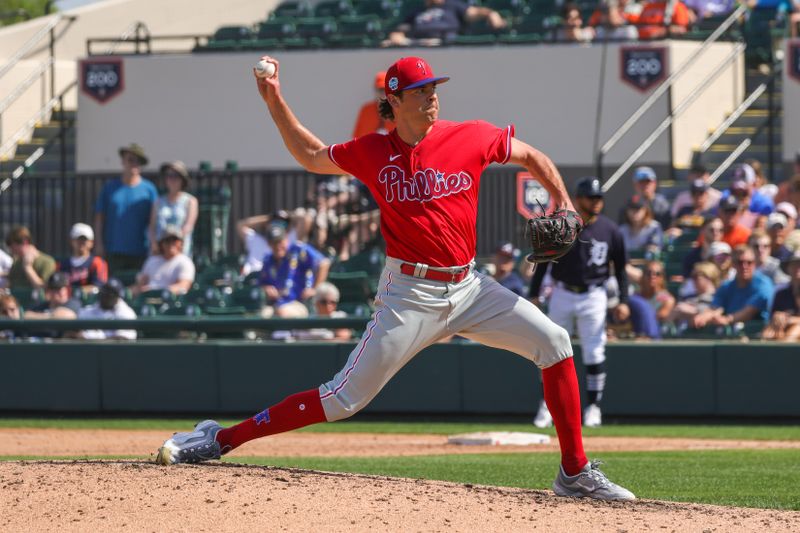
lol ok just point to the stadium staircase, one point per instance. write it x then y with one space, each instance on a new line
48 137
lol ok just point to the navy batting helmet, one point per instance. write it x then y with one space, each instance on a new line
589 186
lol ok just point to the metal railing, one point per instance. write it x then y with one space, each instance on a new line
664 87
769 87
667 122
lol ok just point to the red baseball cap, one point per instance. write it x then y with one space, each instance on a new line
409 73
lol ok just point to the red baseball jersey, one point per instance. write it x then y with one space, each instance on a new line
428 193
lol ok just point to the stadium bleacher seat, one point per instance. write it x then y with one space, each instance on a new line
272 32
334 8
387 10
217 275
354 287
230 38
26 296
252 298
202 297
126 277
291 9
357 31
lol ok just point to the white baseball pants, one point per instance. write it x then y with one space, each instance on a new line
413 313
589 311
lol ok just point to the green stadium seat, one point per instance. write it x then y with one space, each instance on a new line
217 275
26 296
354 287
407 7
275 29
387 10
251 298
370 261
126 277
291 9
202 297
334 8
229 37
311 27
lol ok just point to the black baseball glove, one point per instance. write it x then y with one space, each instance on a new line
553 235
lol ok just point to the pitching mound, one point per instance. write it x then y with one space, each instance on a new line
136 496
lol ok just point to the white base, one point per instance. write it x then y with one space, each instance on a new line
499 438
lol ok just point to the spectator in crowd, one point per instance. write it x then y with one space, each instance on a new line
325 301
9 310
504 261
84 269
760 242
31 267
721 254
368 119
290 275
122 213
791 185
252 231
572 28
698 173
733 232
109 306
792 237
170 269
639 230
693 215
5 266
762 184
746 297
440 21
777 230
652 303
743 180
710 233
645 185
705 281
58 304
176 208
784 324
710 8
654 23
615 20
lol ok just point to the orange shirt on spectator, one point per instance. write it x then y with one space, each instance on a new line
736 236
651 19
369 121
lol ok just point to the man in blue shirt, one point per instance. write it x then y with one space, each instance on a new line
290 274
746 297
122 213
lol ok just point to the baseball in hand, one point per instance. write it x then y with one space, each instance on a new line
265 69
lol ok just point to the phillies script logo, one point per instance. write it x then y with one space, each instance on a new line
425 185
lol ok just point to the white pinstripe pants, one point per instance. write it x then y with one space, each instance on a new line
413 313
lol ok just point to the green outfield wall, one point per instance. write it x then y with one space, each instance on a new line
644 379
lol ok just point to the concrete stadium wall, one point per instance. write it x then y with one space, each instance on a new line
205 106
109 19
664 379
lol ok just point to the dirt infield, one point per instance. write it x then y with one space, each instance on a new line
136 495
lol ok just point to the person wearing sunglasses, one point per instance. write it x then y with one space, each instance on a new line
746 297
770 266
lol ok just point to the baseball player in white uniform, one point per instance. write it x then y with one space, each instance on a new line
579 295
425 175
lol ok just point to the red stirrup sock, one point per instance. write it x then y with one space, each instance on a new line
296 411
562 396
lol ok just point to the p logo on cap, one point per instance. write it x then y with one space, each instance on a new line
410 73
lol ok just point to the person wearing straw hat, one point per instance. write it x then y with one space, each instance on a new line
122 213
175 208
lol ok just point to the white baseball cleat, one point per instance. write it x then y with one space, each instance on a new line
543 418
590 482
592 416
191 447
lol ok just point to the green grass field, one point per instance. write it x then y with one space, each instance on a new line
750 478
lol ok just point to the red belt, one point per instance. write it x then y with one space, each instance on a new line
409 269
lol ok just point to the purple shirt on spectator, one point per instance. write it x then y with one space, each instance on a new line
710 8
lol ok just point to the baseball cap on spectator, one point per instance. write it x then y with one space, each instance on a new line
135 150
743 172
170 232
276 233
644 174
786 264
787 209
719 248
728 204
506 249
81 230
698 185
410 73
777 219
57 281
636 202
113 286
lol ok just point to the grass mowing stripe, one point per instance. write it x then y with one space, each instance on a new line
749 478
433 427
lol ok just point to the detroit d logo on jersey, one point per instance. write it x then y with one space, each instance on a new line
425 185
598 253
